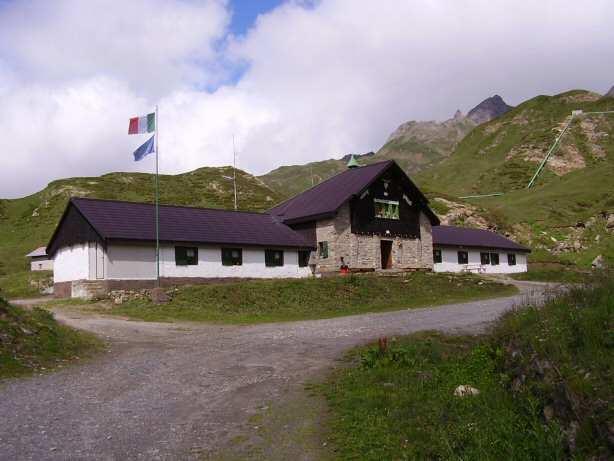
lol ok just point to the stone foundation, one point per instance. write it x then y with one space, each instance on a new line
93 289
62 290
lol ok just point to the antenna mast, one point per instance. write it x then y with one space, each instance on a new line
234 169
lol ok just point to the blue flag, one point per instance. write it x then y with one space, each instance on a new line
145 149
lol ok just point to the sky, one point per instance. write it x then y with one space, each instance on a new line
293 81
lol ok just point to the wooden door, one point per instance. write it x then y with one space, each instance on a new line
386 251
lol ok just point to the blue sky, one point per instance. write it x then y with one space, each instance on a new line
245 12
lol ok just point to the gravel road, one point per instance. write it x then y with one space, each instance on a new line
178 391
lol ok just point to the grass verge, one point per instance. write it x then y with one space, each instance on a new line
545 382
24 284
302 299
554 272
31 341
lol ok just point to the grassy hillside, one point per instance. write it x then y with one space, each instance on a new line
544 382
31 340
417 146
28 222
567 209
290 180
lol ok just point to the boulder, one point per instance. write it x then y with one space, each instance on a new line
464 390
598 262
610 221
159 296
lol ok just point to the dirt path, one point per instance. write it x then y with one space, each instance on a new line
183 391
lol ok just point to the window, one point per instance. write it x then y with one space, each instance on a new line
511 259
232 256
484 258
436 256
303 258
386 209
494 259
186 256
273 258
463 257
323 250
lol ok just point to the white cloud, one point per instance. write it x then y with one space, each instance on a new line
153 45
321 81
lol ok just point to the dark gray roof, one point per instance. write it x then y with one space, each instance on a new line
325 198
136 221
461 236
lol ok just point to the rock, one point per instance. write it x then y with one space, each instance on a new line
610 222
598 262
159 296
488 109
572 433
464 390
548 413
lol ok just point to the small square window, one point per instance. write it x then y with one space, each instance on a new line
232 256
323 250
511 259
463 257
386 209
303 258
273 258
186 256
485 258
437 256
494 259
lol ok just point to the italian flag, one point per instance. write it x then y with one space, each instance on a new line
144 124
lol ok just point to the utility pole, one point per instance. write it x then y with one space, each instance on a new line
234 169
157 212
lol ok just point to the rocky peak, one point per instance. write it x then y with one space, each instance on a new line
488 109
458 114
610 94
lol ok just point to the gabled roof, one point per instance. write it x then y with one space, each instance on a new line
116 220
461 236
40 251
324 199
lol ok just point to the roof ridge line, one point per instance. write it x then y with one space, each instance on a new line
326 180
92 199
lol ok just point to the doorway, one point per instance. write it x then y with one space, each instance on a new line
386 251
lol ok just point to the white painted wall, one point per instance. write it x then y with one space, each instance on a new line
450 262
71 263
130 262
138 262
210 265
41 265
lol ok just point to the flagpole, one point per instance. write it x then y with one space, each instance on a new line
157 204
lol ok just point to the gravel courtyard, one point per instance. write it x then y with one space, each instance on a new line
183 391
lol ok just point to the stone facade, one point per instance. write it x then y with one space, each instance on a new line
362 252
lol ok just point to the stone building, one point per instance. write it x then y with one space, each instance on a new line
368 218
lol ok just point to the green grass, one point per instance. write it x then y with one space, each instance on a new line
32 341
285 300
553 274
555 201
558 360
24 284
